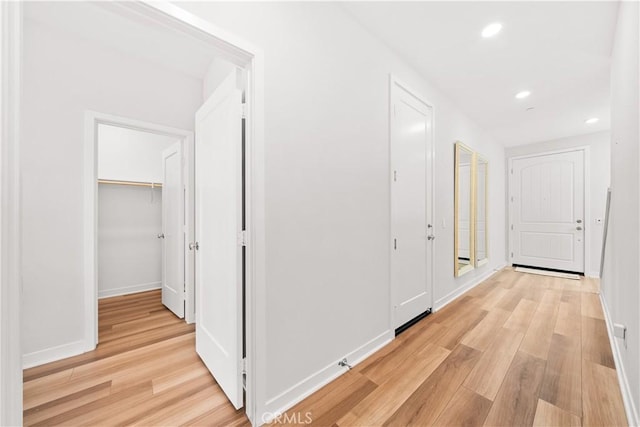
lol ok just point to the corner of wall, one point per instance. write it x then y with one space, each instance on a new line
625 388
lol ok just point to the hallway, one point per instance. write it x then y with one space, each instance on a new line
517 350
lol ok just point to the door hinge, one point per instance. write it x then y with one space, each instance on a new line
512 198
511 254
243 366
395 175
511 226
242 238
244 110
511 171
395 244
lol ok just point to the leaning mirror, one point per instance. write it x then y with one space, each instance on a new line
481 240
463 210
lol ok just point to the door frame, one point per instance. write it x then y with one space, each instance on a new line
395 85
10 220
227 46
92 120
586 155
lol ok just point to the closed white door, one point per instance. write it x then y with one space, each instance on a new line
173 230
547 208
219 271
411 142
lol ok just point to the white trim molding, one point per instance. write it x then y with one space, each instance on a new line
447 299
129 289
627 396
314 382
52 354
10 225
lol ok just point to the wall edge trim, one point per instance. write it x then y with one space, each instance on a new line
625 388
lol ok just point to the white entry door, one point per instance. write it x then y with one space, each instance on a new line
547 208
219 271
411 226
173 230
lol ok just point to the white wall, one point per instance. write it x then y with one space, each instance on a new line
600 149
129 251
130 155
64 76
327 187
621 279
218 70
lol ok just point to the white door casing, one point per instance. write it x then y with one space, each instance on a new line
411 204
547 204
218 198
173 239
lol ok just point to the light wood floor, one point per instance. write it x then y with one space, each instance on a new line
145 371
517 350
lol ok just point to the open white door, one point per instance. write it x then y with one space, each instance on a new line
219 273
173 230
411 226
547 205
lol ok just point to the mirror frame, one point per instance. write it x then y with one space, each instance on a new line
457 271
481 159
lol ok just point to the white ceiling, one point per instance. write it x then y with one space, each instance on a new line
560 51
137 36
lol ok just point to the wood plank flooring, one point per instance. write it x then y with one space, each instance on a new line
517 350
145 371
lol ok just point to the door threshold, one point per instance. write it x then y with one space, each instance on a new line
400 329
548 272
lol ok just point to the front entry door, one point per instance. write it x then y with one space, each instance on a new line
547 206
219 205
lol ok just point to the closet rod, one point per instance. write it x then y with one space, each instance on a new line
133 183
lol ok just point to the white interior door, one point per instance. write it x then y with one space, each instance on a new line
547 206
173 230
411 143
218 198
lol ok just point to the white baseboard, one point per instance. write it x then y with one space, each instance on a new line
319 379
126 290
592 274
440 303
52 354
627 397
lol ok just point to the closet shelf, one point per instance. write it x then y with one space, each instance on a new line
133 183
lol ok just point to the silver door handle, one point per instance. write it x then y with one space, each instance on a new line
431 237
161 236
578 228
193 246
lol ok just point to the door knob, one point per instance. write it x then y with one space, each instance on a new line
431 237
193 246
161 236
578 228
579 221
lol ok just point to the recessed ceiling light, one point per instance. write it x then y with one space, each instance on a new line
523 94
491 30
592 120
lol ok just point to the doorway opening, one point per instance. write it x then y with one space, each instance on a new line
225 115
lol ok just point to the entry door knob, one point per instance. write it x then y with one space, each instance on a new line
578 228
161 236
579 221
